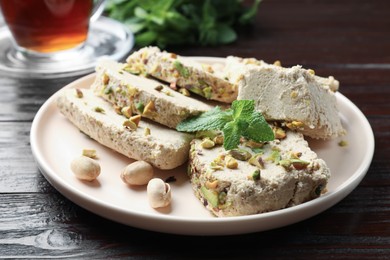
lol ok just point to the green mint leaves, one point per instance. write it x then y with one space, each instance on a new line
178 22
239 120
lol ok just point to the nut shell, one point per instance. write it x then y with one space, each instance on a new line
159 193
85 168
137 173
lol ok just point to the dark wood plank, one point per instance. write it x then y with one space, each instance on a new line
348 39
47 225
18 170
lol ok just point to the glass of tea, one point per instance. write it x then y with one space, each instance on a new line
48 33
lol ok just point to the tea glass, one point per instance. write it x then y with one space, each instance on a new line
49 35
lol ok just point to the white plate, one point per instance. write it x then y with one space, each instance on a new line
55 142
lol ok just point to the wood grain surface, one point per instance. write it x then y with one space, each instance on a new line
349 39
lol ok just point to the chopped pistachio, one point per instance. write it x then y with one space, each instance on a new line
211 184
159 87
277 63
184 92
207 143
274 156
240 154
147 131
130 125
257 160
126 111
312 72
295 125
106 79
207 92
211 196
296 163
218 139
91 153
99 110
256 175
343 143
150 109
181 69
139 106
136 119
279 133
231 163
79 93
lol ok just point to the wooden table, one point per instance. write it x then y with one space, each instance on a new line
348 39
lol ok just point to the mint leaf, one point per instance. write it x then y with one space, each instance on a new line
214 119
240 120
231 133
258 130
243 108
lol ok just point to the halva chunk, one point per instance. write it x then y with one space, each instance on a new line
131 94
139 139
256 177
181 72
290 95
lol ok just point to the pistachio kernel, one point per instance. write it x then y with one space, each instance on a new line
257 160
207 92
240 154
207 143
149 109
79 93
253 144
99 110
295 125
312 72
159 88
255 175
127 112
184 92
91 153
343 143
130 125
218 139
147 131
296 155
211 184
231 163
296 163
299 164
136 119
106 79
278 63
279 133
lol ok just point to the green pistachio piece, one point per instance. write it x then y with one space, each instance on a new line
181 69
207 92
211 196
240 154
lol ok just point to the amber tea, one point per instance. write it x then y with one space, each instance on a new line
47 25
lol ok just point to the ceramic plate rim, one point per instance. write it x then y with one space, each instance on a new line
202 225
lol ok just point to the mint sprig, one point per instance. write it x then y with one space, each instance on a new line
240 120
